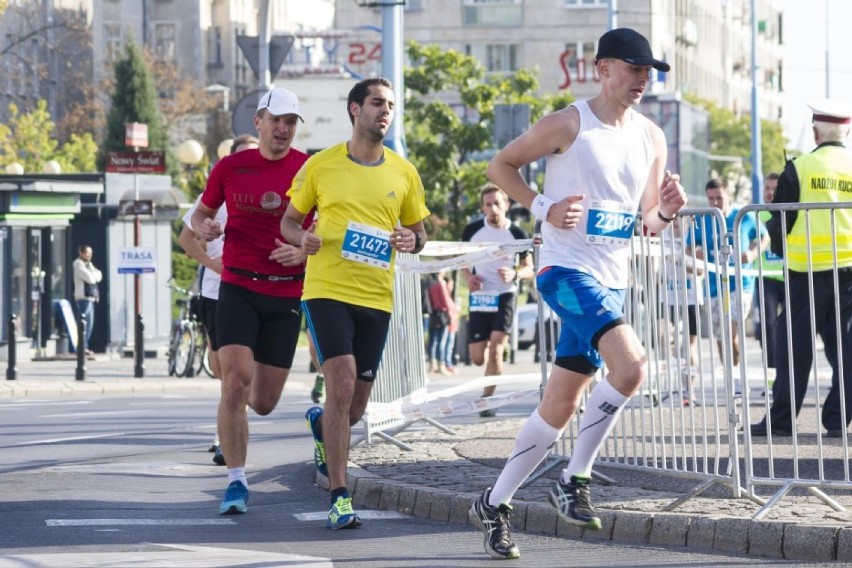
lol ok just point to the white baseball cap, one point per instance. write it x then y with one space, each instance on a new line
280 101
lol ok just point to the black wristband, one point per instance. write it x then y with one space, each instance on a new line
416 242
665 219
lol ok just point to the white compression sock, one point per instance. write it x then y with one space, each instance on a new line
531 446
238 474
602 410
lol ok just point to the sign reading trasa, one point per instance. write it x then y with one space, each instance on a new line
136 260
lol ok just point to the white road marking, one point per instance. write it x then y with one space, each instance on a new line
71 439
93 414
175 556
135 522
167 469
366 515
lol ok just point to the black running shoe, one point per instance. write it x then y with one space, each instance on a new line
573 503
494 522
218 456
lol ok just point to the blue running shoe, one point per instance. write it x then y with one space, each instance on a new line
342 516
236 498
311 417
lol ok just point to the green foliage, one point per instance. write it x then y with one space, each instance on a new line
731 136
451 143
134 100
29 140
79 154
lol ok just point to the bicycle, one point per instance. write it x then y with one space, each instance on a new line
184 335
202 352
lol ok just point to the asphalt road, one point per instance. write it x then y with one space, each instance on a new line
121 481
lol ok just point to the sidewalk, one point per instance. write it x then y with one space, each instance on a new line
444 473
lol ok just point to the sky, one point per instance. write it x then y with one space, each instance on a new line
804 75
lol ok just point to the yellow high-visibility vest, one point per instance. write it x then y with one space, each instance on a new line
825 176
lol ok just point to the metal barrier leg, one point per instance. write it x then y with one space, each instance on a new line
773 500
441 427
826 499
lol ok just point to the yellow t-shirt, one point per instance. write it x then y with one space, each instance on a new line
357 205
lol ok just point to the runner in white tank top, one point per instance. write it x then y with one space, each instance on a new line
605 163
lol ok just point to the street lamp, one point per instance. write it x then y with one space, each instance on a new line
190 152
15 169
224 148
51 167
217 88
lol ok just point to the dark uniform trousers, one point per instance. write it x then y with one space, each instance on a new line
825 323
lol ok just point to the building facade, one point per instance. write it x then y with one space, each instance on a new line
200 36
708 44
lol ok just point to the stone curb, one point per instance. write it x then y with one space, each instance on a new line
772 539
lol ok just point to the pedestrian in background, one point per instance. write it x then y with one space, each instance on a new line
812 253
493 286
440 316
770 301
449 347
707 242
86 291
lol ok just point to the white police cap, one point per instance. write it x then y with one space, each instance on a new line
834 112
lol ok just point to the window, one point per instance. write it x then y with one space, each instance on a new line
413 4
492 12
112 41
164 41
216 45
496 57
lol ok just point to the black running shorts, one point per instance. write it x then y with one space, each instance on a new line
481 324
339 329
269 325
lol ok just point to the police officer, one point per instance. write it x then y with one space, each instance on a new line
824 175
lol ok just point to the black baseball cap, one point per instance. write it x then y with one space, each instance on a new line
630 46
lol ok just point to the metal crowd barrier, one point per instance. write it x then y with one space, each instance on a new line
807 459
399 397
402 372
710 442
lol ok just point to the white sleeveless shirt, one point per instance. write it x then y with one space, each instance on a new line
609 166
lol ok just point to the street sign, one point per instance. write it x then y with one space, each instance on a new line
136 134
242 120
279 47
135 208
136 260
150 162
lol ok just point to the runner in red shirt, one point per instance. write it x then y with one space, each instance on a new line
259 314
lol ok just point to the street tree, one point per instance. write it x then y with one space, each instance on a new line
41 59
730 135
28 139
449 111
134 99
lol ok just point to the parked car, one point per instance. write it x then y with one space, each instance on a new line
528 325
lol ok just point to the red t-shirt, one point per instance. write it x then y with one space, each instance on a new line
254 190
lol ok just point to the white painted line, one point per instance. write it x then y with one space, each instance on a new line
71 439
366 515
94 414
156 468
175 556
135 522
